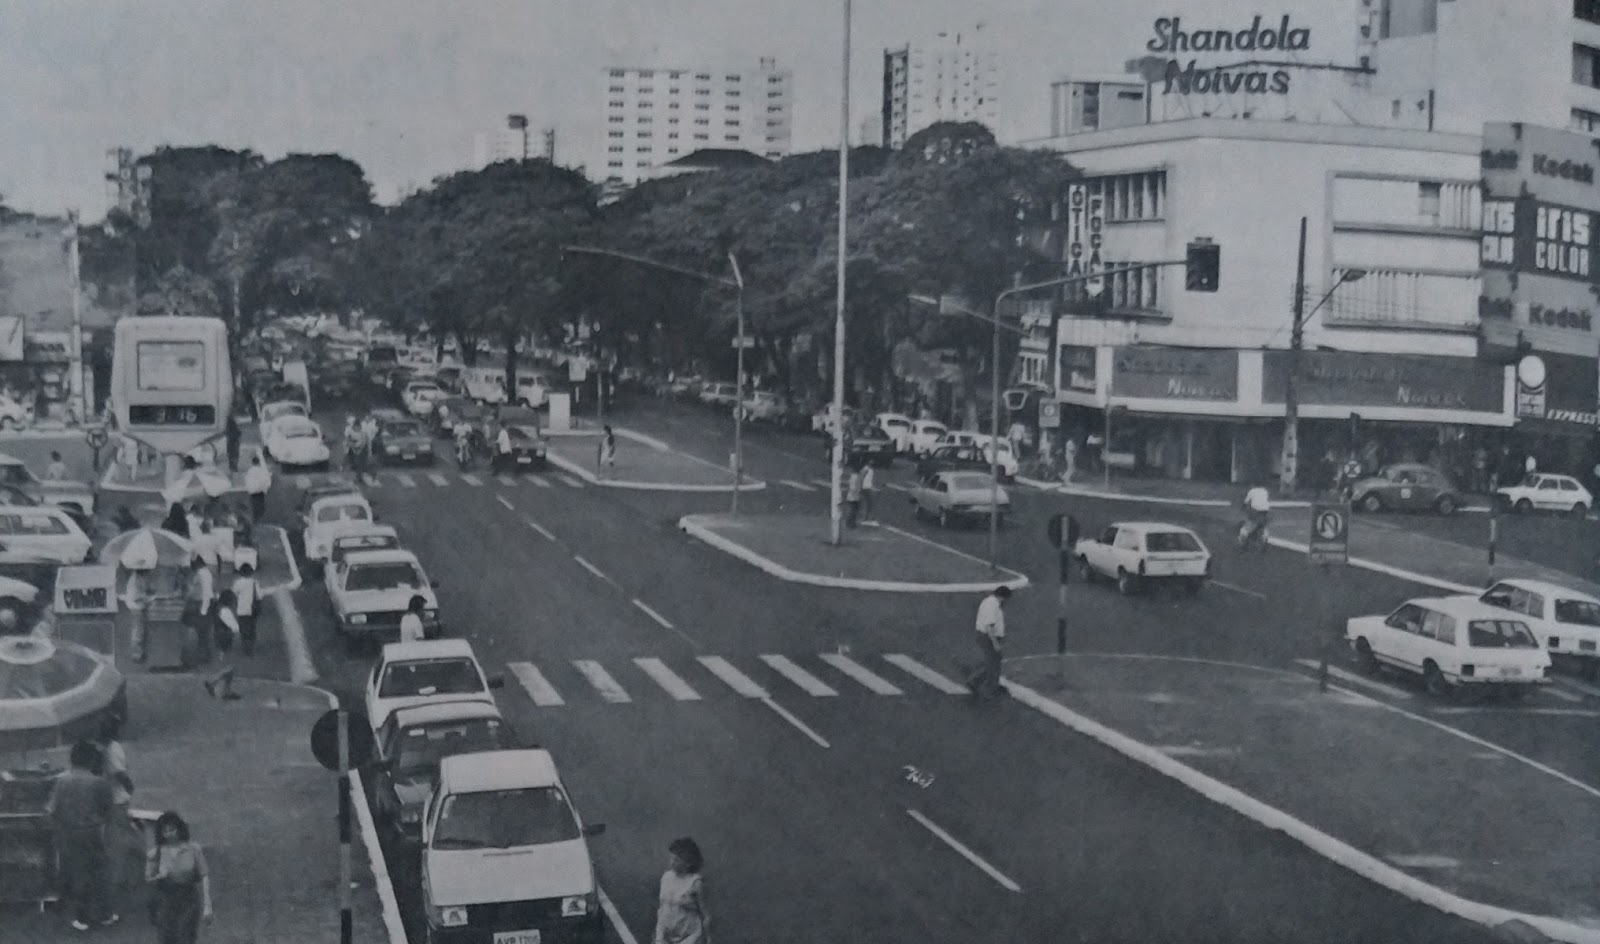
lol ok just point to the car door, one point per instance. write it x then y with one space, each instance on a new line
1127 550
1569 494
1396 642
372 687
1098 552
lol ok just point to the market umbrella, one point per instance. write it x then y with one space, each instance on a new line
54 692
198 483
147 549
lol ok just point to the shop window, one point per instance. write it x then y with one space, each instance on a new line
1586 65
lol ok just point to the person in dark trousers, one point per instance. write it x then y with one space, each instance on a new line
198 599
124 520
231 435
180 885
81 806
224 634
176 521
258 482
991 628
852 497
246 600
869 490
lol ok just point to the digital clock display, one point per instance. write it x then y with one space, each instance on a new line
188 415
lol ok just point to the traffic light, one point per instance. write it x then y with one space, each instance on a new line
1202 266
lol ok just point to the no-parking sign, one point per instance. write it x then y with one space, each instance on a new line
1330 533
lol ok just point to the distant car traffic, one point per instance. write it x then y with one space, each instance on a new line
954 497
528 448
864 444
925 434
1451 642
1008 460
296 442
763 406
419 397
403 441
1406 486
897 426
416 673
1565 622
719 394
1137 554
947 458
326 517
371 590
1542 491
452 410
410 746
274 411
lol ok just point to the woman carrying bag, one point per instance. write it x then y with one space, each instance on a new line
180 886
225 634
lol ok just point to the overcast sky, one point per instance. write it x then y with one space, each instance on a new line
402 86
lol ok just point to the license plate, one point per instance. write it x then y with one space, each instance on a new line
1510 671
524 460
516 937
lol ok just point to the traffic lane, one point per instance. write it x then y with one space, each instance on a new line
34 450
1561 543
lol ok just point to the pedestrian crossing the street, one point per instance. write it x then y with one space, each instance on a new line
703 678
392 478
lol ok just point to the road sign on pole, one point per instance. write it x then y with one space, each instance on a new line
1330 533
1049 414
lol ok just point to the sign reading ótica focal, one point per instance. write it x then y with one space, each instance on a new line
1191 78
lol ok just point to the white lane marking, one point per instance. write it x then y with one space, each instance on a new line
504 501
1354 679
569 480
616 917
965 853
798 486
788 716
823 483
602 681
808 683
302 482
860 673
1570 697
438 479
506 480
540 481
539 528
667 679
923 673
471 479
1237 589
375 482
1424 861
736 680
1517 710
407 481
535 684
652 613
593 569
897 486
1195 750
1578 686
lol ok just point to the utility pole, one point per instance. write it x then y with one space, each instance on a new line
738 397
75 340
837 472
550 145
1291 394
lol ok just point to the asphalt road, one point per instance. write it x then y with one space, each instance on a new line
808 842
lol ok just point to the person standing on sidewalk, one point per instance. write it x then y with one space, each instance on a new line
1069 452
225 634
258 482
180 885
231 436
991 627
852 497
608 453
869 490
681 913
80 807
246 597
197 601
136 597
56 471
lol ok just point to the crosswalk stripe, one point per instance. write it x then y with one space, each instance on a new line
570 481
736 680
407 481
471 479
922 673
539 480
809 683
506 480
667 679
302 482
438 479
602 681
859 672
799 486
535 684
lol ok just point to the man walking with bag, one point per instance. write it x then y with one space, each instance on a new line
984 682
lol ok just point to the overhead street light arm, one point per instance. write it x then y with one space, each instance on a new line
1348 275
737 283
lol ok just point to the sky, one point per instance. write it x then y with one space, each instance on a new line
402 86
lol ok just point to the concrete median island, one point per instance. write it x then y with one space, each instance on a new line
641 466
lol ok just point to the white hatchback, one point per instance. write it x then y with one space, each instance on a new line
1565 621
1136 553
1450 642
925 435
1546 492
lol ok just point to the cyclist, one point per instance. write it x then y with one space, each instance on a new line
1257 509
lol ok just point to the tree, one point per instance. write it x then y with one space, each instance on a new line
183 210
946 142
180 291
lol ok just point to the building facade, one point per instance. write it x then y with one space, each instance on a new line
656 115
951 79
1097 103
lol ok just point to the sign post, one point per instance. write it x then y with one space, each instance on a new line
1329 551
1063 533
341 740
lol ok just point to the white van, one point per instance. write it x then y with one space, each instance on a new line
533 388
485 384
35 534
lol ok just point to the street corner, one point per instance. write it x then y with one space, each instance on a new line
1338 772
645 468
797 548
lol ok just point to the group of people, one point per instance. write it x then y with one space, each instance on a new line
104 855
860 492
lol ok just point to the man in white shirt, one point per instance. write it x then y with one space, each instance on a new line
246 594
197 601
56 471
258 482
502 449
1257 508
984 683
412 628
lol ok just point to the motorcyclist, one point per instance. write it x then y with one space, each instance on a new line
1257 510
463 436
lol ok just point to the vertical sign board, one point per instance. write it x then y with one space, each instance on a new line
1330 533
1085 220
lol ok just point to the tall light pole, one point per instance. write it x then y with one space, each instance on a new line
836 476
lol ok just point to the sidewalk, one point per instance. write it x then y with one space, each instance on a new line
1181 492
872 557
642 464
1339 772
242 774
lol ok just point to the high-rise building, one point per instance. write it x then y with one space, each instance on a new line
492 147
951 79
656 115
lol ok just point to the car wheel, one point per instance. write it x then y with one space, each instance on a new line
1523 506
1371 502
1085 572
1438 686
1579 510
1366 658
1446 505
1127 584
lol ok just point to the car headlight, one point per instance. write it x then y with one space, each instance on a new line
454 916
358 619
411 815
574 906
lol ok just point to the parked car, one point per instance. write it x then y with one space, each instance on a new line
533 388
925 435
763 406
897 426
451 410
684 387
1139 553
77 498
1406 486
489 807
403 440
296 442
946 458
719 394
1565 622
410 746
38 534
1008 459
950 497
371 590
1451 642
274 411
451 379
415 673
528 448
326 517
1545 492
864 444
822 419
420 396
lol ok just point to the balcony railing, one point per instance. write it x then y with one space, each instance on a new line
1400 299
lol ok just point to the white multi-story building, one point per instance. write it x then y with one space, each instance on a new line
492 147
951 79
656 115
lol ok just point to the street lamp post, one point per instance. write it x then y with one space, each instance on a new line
835 476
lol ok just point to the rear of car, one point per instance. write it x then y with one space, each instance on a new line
412 744
1565 622
1175 554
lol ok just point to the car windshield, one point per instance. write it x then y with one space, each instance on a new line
16 475
275 411
456 676
1499 634
365 542
518 416
970 480
1169 542
351 512
422 746
1578 612
402 429
391 575
503 819
301 431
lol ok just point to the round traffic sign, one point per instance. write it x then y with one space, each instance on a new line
1330 525
97 438
325 739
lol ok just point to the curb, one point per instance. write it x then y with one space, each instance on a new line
567 465
1385 569
288 555
1082 491
1321 843
692 525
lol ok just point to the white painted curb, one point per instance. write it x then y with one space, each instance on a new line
693 526
582 472
1335 850
1083 491
1381 568
301 668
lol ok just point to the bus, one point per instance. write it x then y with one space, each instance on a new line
171 381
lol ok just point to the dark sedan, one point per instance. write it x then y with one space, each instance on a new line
528 449
953 458
452 410
403 441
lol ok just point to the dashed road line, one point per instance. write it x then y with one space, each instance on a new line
653 614
471 479
535 684
407 481
808 683
504 501
602 681
569 480
923 673
540 481
938 831
1237 589
593 569
539 528
798 486
506 480
1559 692
669 680
859 672
788 716
1581 687
438 479
1518 710
736 680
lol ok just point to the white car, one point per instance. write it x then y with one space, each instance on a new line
763 406
14 415
329 517
1544 492
719 394
41 534
278 410
1008 460
296 441
533 389
897 426
925 435
959 496
371 590
492 808
415 673
1137 553
420 396
1565 622
1451 641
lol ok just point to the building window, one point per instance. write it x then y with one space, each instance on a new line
774 109
731 137
615 89
702 121
1428 193
773 124
774 94
672 106
674 75
1132 197
700 137
1132 288
702 77
672 150
647 104
646 89
1587 10
702 91
644 119
732 123
646 74
701 106
613 134
644 134
1585 121
733 93
615 149
733 78
613 163
1586 65
672 134
616 103
644 149
615 119
618 73
733 108
674 90
672 121
774 79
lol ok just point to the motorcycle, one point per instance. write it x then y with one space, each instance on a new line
1252 534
